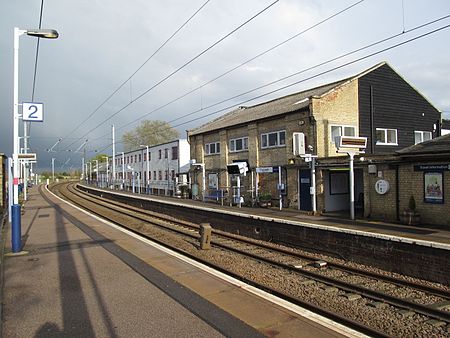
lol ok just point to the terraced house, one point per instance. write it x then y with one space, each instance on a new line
377 104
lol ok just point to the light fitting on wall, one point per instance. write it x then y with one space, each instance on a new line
291 161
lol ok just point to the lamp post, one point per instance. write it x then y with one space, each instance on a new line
148 169
16 221
53 169
123 170
107 160
90 172
96 172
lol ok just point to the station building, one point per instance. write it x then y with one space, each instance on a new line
166 164
378 104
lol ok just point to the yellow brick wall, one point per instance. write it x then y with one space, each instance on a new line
340 106
380 206
410 183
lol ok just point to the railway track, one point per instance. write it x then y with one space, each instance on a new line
340 291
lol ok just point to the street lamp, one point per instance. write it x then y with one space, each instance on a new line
16 221
107 160
53 169
123 170
96 170
148 169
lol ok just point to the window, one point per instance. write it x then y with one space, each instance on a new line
145 157
160 175
135 158
420 136
172 174
154 175
275 139
140 158
387 136
160 153
166 153
239 144
174 153
131 159
341 130
166 175
212 148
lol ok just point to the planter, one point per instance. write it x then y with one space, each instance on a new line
265 204
410 217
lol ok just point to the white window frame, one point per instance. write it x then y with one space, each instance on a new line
232 144
385 143
278 141
342 131
422 133
208 148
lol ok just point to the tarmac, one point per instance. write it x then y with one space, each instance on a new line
79 276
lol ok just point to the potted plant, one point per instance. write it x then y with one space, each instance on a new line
265 200
410 216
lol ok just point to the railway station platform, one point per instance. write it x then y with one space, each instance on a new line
436 236
79 276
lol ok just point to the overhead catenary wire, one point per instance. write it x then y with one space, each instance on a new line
182 67
36 64
320 74
302 71
313 76
140 67
244 63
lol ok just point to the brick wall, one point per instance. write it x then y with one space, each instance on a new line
380 206
410 183
339 107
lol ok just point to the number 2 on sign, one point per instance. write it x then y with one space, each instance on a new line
33 110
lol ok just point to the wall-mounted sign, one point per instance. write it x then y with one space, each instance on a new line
426 167
262 170
382 187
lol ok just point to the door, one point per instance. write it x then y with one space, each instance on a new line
305 185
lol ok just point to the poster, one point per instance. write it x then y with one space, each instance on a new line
213 181
433 187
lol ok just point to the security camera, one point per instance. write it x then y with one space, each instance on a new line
310 147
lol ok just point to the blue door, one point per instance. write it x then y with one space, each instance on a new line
305 185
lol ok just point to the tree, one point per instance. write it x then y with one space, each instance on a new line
99 157
149 133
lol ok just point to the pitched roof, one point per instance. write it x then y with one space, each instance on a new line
278 106
438 145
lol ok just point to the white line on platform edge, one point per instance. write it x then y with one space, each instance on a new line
334 326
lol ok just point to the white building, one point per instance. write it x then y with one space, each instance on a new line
157 174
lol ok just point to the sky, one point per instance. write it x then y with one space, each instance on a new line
103 42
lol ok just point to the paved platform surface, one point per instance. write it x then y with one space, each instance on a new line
81 277
339 222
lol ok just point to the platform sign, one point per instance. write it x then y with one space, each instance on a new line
28 157
33 112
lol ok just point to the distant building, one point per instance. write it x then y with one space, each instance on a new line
165 163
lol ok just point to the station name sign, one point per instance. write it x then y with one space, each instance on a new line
261 170
427 167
